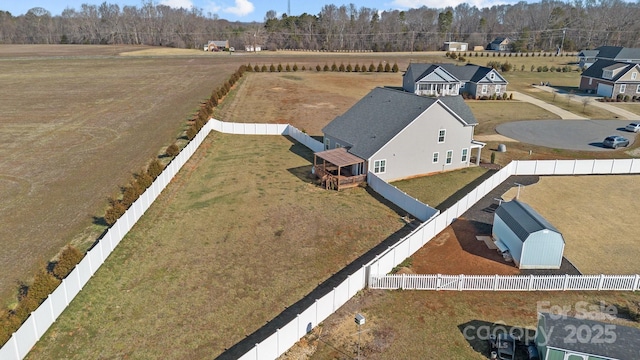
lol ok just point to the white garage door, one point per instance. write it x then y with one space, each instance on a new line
605 90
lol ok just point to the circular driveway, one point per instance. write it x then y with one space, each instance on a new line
584 135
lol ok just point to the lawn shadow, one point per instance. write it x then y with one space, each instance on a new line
466 231
300 150
451 200
301 305
303 173
99 220
478 332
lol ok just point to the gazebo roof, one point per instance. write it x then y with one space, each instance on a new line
339 157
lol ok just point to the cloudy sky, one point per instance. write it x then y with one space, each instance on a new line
242 10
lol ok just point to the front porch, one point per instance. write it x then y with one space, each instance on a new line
337 169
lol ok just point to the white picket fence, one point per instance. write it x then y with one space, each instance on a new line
505 282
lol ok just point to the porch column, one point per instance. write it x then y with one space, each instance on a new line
478 157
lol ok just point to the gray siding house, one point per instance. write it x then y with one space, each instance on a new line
400 135
610 78
451 79
532 241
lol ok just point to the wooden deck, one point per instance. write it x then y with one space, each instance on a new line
331 180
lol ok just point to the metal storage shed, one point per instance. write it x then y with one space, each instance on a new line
532 241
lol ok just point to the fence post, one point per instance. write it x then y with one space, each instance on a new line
460 282
635 283
600 282
566 281
438 282
531 282
402 283
495 282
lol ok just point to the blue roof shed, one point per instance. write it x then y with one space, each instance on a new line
532 241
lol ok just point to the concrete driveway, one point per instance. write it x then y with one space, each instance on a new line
586 135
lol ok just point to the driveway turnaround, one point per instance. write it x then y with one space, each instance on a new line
586 135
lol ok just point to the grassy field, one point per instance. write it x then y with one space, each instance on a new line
594 216
75 125
435 189
490 114
237 237
433 324
171 288
633 107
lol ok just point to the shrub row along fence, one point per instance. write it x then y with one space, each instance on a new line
45 315
282 339
505 282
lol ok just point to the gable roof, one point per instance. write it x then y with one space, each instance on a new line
588 53
522 219
379 116
432 73
595 70
466 73
558 328
618 53
499 40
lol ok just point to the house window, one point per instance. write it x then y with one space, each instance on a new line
638 89
326 143
484 89
623 88
379 166
492 76
465 153
590 80
634 75
607 74
436 155
498 88
449 157
441 135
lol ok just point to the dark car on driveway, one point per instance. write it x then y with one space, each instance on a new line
615 142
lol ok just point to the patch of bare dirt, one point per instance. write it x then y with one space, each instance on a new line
457 251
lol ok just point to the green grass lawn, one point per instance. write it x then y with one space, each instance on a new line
435 189
633 107
490 114
240 234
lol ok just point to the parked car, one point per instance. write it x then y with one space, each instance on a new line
633 127
615 142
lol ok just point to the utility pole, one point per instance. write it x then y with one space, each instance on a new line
564 30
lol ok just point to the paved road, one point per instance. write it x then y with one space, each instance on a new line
564 114
561 134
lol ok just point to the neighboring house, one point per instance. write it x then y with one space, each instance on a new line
567 338
586 58
610 78
500 44
217 45
251 48
455 46
451 79
397 135
531 240
618 53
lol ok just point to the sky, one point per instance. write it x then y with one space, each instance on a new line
244 10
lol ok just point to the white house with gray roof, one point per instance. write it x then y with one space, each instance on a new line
400 135
451 79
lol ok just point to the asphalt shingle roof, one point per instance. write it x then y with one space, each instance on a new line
374 120
613 342
618 52
595 70
522 219
466 73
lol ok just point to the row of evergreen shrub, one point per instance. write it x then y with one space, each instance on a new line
49 277
334 67
504 54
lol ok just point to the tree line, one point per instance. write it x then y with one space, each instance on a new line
547 25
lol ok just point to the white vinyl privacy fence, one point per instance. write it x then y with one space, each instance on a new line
45 315
409 204
283 338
